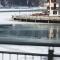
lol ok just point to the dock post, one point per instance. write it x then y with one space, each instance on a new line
50 53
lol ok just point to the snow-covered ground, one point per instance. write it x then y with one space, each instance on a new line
5 18
29 49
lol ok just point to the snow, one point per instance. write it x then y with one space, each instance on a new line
24 8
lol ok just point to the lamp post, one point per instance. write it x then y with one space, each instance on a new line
50 53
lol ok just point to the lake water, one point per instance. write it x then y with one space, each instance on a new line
38 31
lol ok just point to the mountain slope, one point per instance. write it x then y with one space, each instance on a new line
9 3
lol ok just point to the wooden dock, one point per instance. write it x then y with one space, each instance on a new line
55 19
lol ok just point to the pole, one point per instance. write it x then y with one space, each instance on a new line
50 53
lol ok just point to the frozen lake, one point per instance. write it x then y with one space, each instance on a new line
5 18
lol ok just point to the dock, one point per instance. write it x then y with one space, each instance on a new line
50 19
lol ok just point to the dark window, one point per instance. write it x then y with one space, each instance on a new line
47 0
54 6
48 7
54 12
53 0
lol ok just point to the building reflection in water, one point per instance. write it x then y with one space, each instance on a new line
37 31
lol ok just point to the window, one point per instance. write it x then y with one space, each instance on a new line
54 12
54 6
53 0
48 7
47 0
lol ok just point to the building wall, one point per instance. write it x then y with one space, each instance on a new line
53 8
59 6
52 5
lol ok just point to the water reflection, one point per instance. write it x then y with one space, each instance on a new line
39 31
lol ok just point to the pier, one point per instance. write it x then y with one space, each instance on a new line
46 18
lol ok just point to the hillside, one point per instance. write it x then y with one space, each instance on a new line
9 3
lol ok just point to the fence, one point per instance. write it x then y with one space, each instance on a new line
8 55
22 56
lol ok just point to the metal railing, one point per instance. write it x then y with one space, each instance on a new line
6 55
22 56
